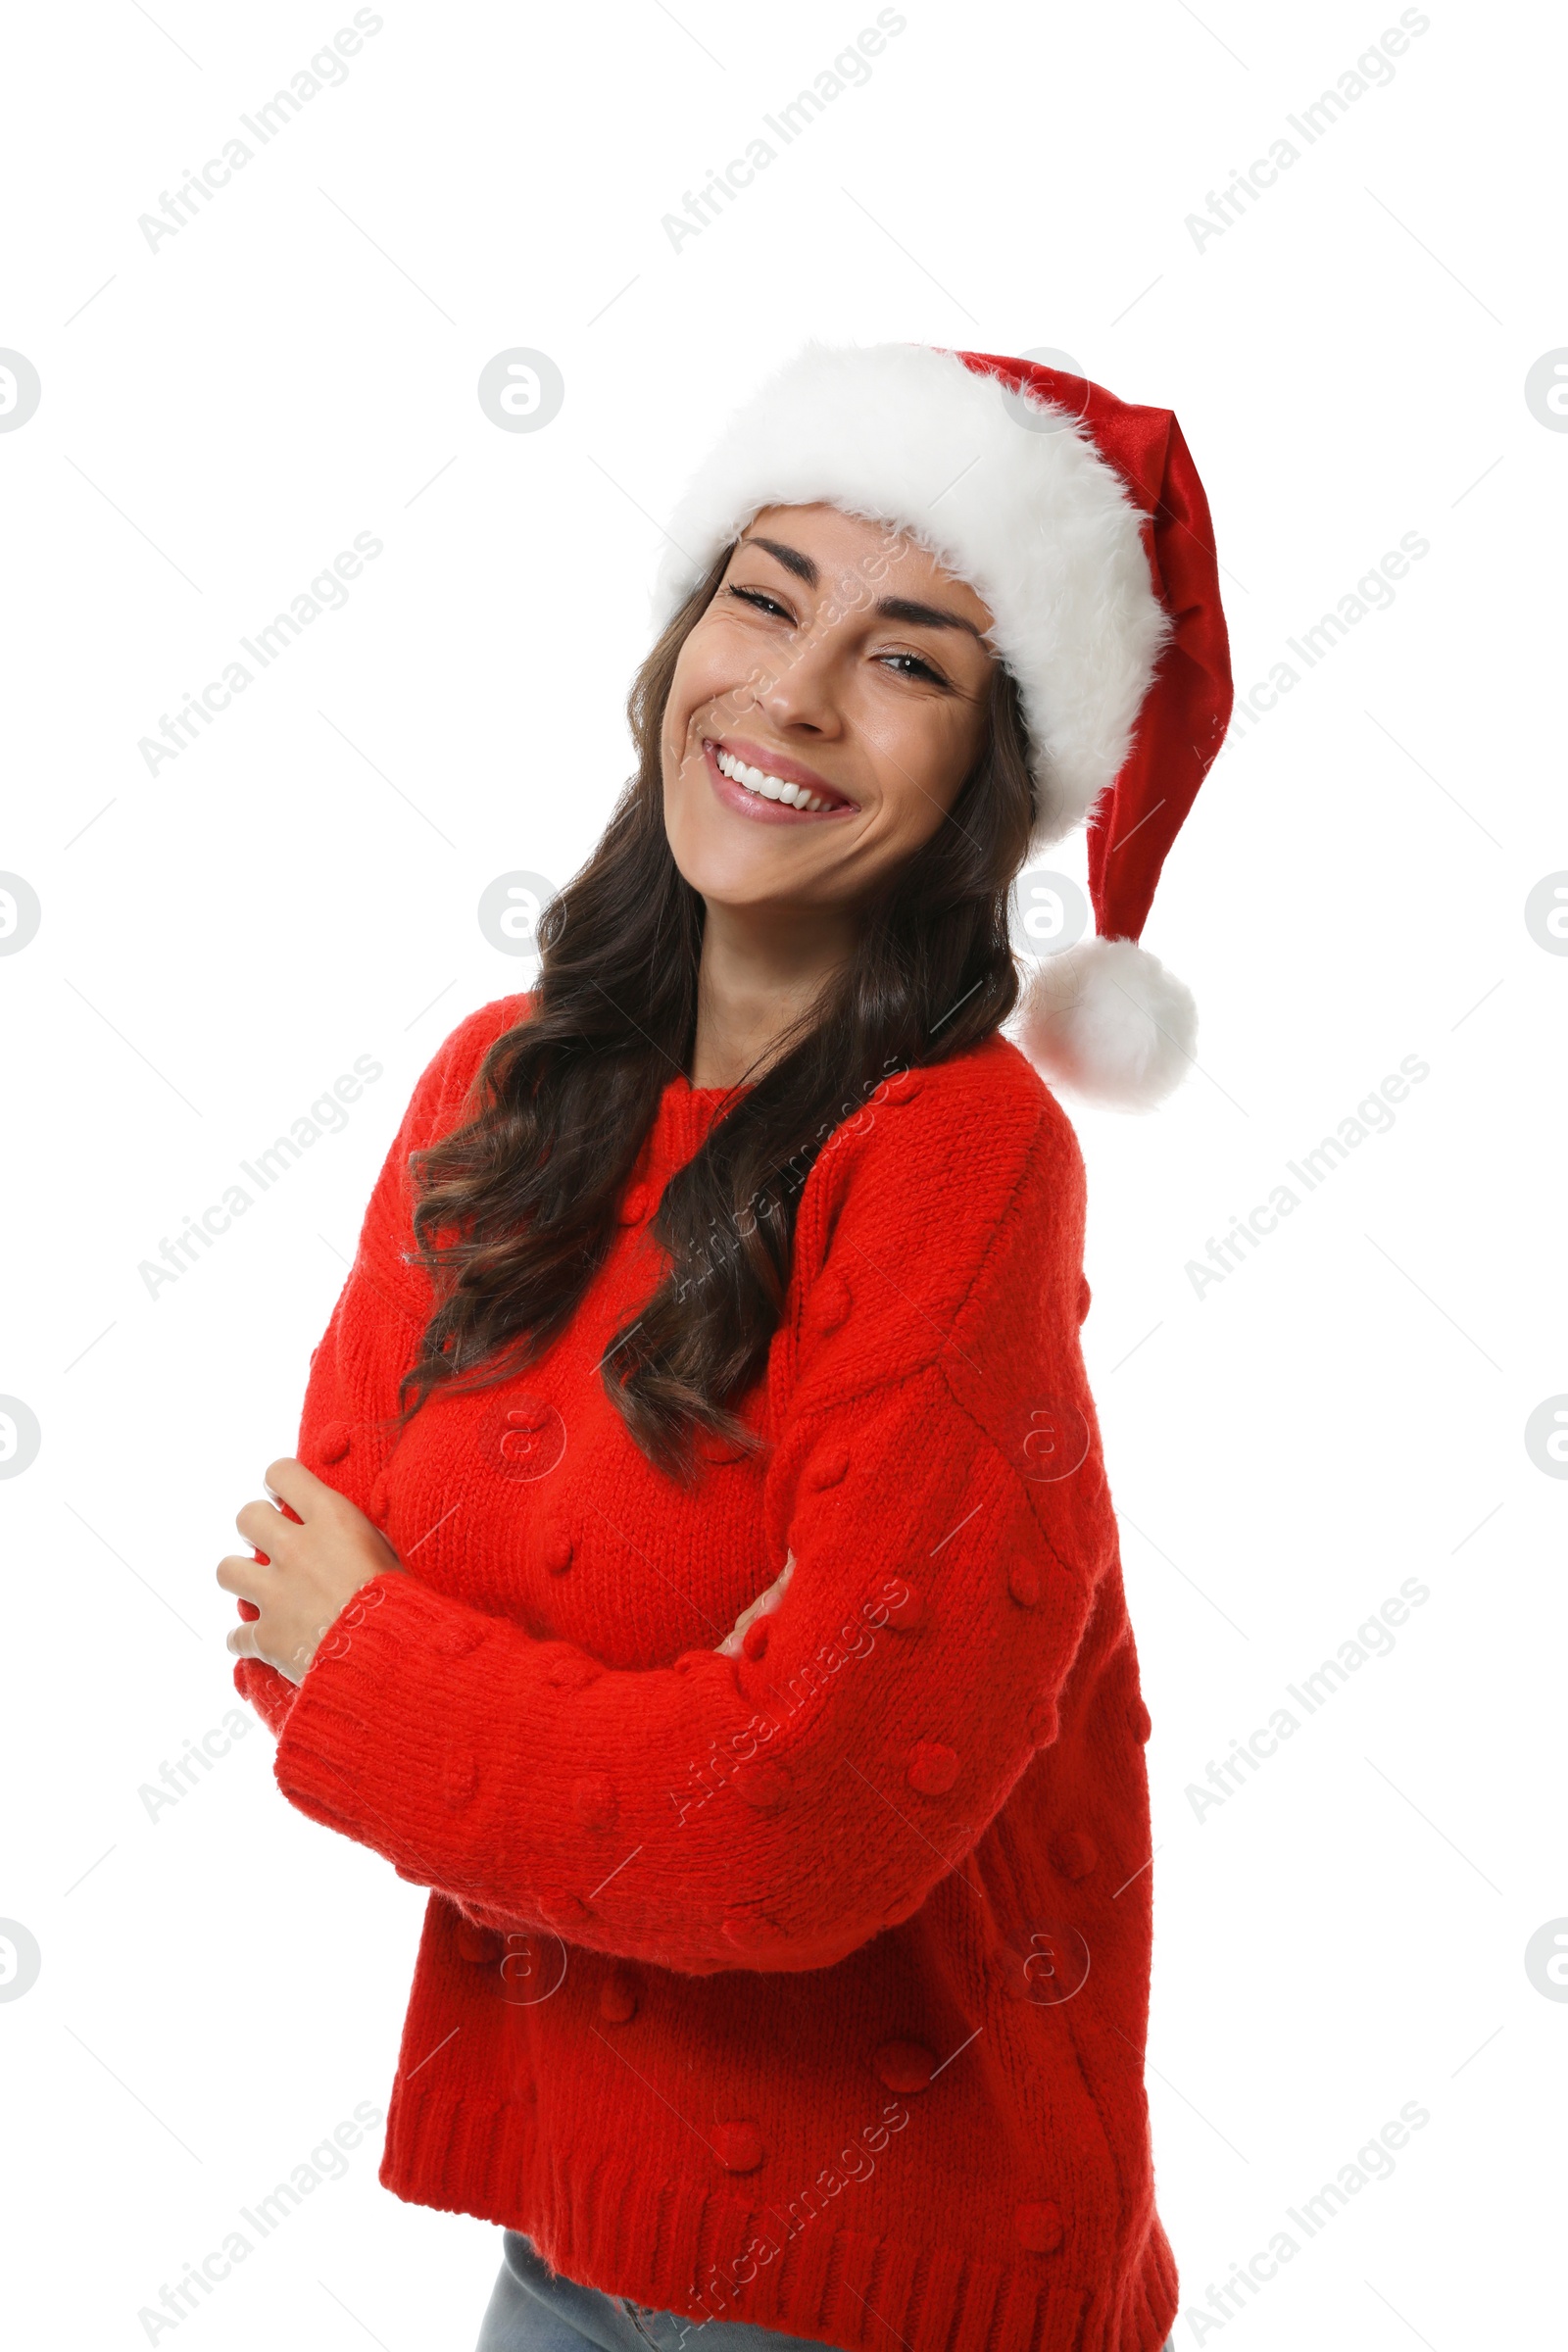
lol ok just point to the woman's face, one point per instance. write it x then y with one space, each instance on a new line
840 664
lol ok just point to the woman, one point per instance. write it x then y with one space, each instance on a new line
698 1569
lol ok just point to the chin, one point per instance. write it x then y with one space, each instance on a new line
725 876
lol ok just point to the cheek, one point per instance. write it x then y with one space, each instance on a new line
718 675
714 664
689 692
922 762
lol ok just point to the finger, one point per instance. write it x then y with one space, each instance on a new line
263 1525
248 1578
751 1610
240 1642
766 1603
289 1481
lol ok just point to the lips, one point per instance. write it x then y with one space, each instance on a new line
766 785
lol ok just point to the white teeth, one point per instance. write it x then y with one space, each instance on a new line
772 788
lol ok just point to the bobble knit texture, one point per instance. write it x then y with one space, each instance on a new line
808 1985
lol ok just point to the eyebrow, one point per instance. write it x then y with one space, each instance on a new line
790 556
890 607
930 617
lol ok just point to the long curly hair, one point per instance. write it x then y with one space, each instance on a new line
517 1209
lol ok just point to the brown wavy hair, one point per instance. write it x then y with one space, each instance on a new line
517 1209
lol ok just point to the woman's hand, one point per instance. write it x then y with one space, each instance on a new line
311 1563
762 1606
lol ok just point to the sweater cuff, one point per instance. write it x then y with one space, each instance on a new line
270 1693
329 1760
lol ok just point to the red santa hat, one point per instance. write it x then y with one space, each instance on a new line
1082 522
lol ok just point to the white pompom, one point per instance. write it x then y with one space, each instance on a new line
1107 1019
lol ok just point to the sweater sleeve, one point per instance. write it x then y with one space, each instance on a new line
348 1424
937 1476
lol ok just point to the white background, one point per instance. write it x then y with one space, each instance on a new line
1346 1933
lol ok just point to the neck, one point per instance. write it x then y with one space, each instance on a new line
761 969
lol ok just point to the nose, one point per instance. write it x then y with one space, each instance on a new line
804 696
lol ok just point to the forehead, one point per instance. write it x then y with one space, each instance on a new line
859 548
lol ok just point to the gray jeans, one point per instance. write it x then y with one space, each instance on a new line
532 2310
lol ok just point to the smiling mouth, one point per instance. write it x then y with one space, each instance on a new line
760 784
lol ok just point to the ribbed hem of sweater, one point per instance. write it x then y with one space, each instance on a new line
677 2247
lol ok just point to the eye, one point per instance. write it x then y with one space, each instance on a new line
918 667
762 602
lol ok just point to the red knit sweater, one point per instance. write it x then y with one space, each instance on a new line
807 1987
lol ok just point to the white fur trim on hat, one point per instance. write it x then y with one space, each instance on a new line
1035 519
1107 1019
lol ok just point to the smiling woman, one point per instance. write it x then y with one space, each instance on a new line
715 1323
816 734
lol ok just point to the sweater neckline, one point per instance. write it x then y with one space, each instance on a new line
685 1114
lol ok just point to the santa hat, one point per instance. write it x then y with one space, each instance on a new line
1082 522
